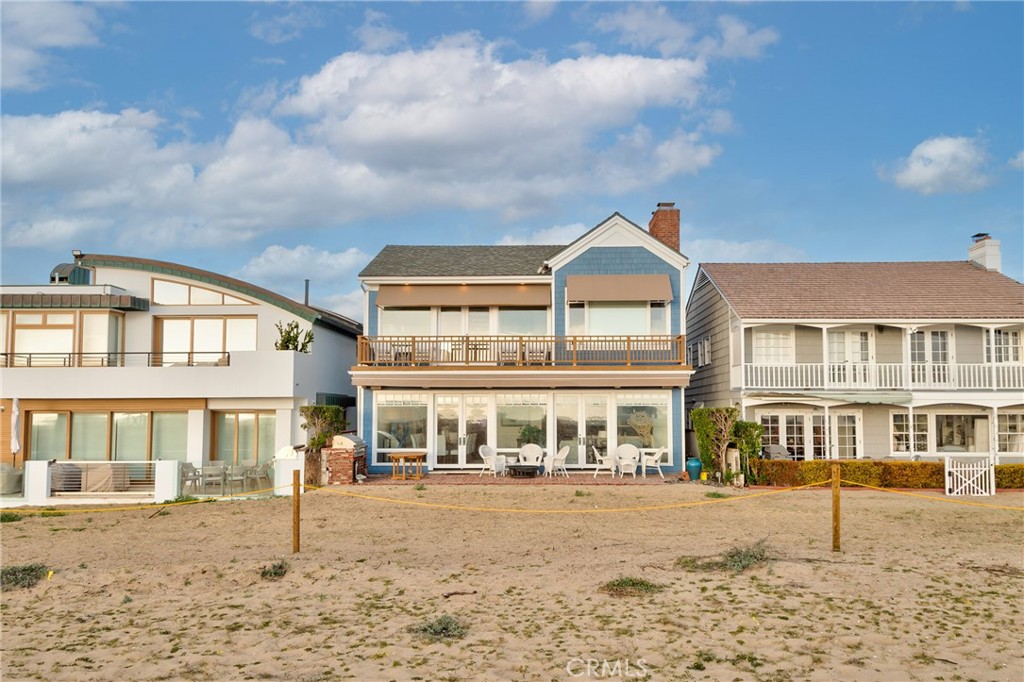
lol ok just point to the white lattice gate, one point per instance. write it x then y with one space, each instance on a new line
970 475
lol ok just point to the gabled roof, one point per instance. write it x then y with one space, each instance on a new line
606 229
309 313
459 261
916 290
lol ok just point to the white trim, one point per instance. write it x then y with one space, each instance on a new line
617 231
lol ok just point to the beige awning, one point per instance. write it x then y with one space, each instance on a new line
618 288
421 295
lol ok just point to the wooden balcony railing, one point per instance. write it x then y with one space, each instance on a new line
115 359
521 351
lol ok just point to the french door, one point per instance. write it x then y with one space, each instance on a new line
849 358
581 422
462 425
930 358
847 435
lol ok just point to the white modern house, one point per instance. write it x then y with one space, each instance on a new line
131 359
854 360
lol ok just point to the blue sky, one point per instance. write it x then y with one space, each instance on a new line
275 142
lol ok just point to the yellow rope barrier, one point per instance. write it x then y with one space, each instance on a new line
499 510
932 498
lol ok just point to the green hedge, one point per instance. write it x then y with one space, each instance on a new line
879 473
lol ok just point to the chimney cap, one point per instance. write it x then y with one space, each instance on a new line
666 204
981 236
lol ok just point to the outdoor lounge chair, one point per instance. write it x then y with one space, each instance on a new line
190 476
558 463
776 451
628 456
652 460
604 462
531 453
492 462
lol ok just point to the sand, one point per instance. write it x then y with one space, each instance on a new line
922 590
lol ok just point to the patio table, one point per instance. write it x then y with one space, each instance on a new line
523 470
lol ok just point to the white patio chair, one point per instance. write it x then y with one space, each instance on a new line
652 460
531 453
492 462
628 456
558 464
604 462
190 477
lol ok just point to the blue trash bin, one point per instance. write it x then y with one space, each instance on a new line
693 468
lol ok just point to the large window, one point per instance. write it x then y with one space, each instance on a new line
48 337
523 321
405 321
1003 346
203 340
617 318
166 292
102 436
901 432
244 436
1010 432
401 423
961 433
522 417
642 419
773 347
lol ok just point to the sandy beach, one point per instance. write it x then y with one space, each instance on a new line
922 590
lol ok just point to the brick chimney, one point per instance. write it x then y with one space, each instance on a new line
664 225
984 251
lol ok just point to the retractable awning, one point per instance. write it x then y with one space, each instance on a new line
422 295
581 288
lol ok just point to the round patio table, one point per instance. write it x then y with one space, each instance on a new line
523 470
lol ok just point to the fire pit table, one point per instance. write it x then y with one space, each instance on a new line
523 470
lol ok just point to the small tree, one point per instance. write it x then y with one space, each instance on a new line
713 426
292 338
747 435
322 422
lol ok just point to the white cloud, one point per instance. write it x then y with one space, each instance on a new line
557 234
377 34
941 165
756 251
538 10
282 28
1017 161
283 270
738 41
31 30
648 26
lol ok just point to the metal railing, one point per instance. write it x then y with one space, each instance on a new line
78 477
213 359
521 351
886 376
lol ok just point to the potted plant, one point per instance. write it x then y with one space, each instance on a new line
530 434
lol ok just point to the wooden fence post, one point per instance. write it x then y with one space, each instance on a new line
295 511
835 507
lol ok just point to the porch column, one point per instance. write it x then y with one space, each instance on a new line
828 434
910 426
824 359
993 439
989 334
907 332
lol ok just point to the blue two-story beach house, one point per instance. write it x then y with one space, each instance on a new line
580 345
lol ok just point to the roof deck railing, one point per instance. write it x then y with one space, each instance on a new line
521 351
214 359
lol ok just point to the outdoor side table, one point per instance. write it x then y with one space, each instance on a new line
402 464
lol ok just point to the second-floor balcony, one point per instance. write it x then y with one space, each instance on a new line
536 352
883 376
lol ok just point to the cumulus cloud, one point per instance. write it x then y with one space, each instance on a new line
452 125
283 28
557 234
538 10
377 34
648 26
283 270
738 40
941 165
32 30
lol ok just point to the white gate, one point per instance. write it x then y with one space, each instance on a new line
970 475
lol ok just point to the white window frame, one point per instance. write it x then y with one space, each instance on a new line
786 341
650 304
1002 346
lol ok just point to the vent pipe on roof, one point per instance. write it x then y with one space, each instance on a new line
984 251
305 300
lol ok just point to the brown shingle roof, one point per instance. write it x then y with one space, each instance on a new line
915 290
456 261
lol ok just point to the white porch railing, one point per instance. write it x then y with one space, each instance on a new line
886 376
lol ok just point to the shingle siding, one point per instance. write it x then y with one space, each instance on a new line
708 315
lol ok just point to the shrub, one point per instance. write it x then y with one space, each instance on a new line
713 428
747 436
739 559
630 587
1010 476
8 517
274 571
440 629
878 473
21 576
292 338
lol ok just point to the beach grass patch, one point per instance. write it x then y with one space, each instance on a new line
21 576
274 571
629 586
441 629
10 517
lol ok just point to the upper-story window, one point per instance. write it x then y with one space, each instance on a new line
63 338
939 347
773 347
1003 345
166 292
405 321
202 340
459 321
617 318
523 321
